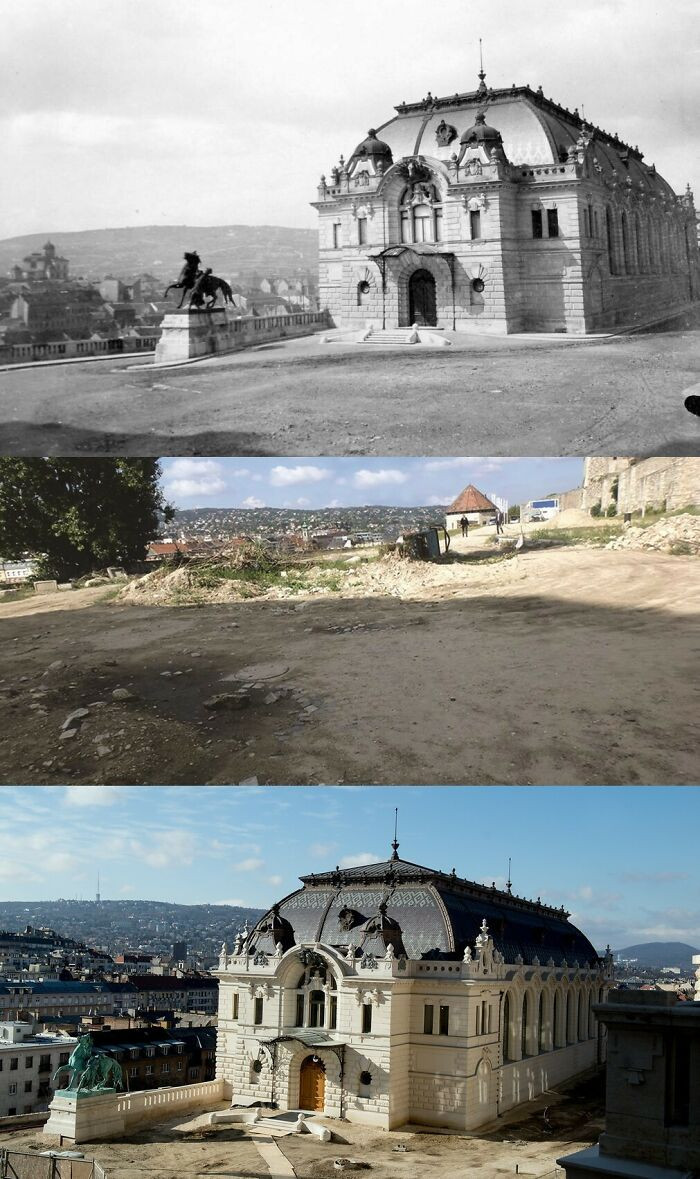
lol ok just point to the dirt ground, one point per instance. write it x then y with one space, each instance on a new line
529 1140
571 665
500 395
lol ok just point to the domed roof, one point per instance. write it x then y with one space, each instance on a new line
534 131
373 148
433 913
481 132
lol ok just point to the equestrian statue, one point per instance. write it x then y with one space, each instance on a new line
90 1070
200 284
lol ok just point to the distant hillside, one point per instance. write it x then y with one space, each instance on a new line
233 251
131 924
253 521
658 954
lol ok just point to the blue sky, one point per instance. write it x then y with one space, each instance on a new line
622 859
336 482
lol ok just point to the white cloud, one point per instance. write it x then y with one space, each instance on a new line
85 796
302 502
287 476
250 865
320 850
334 503
252 502
358 858
189 477
126 890
384 478
240 473
437 501
447 464
274 880
236 902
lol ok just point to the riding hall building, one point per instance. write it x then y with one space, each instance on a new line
500 211
393 993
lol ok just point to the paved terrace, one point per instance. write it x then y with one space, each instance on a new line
486 395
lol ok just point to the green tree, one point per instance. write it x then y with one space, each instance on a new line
77 515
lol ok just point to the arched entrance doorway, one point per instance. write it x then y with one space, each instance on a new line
312 1084
422 299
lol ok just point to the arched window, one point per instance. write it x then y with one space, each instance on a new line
541 1030
421 214
317 1009
638 242
582 1029
505 1029
523 1027
625 244
556 1021
567 1017
610 240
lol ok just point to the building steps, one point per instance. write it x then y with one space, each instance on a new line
404 336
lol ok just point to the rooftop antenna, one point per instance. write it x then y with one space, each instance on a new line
395 844
97 894
509 882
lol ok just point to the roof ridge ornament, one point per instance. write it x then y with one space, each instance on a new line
482 90
395 842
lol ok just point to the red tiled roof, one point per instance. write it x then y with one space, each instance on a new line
471 500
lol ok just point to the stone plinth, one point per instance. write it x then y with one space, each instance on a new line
85 1118
187 334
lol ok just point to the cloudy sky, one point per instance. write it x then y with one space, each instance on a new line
222 111
336 482
617 857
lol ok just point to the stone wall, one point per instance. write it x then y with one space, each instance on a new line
641 483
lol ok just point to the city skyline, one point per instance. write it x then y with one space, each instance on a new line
118 98
348 482
628 879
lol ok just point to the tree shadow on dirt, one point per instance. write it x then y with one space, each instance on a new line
54 438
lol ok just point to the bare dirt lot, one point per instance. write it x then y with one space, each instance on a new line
506 396
571 665
528 1140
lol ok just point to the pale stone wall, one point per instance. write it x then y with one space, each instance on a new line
642 483
459 1080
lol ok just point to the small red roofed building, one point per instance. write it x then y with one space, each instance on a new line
471 503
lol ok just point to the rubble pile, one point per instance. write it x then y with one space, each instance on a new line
680 534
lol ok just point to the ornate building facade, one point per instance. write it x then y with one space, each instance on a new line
500 211
392 993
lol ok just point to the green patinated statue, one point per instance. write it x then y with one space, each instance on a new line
90 1071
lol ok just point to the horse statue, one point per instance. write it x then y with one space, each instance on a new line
89 1069
201 285
188 276
208 286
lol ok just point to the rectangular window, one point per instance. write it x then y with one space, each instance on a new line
475 224
553 222
367 1017
235 1006
27 1086
14 1063
444 1021
179 1066
337 236
257 1018
477 1029
537 223
428 1019
133 1072
149 1070
405 227
29 1062
300 1012
45 1064
678 1081
333 1014
165 1068
12 1088
362 231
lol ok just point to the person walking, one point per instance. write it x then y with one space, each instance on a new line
465 526
499 522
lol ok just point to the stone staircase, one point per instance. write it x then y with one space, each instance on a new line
395 336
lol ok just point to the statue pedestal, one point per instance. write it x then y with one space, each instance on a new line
85 1117
187 334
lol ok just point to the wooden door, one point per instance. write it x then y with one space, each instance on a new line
422 299
312 1085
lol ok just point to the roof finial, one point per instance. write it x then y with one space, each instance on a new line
509 882
395 844
482 75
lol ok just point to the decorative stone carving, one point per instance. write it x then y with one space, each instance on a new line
390 953
279 950
445 134
261 959
368 962
467 954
